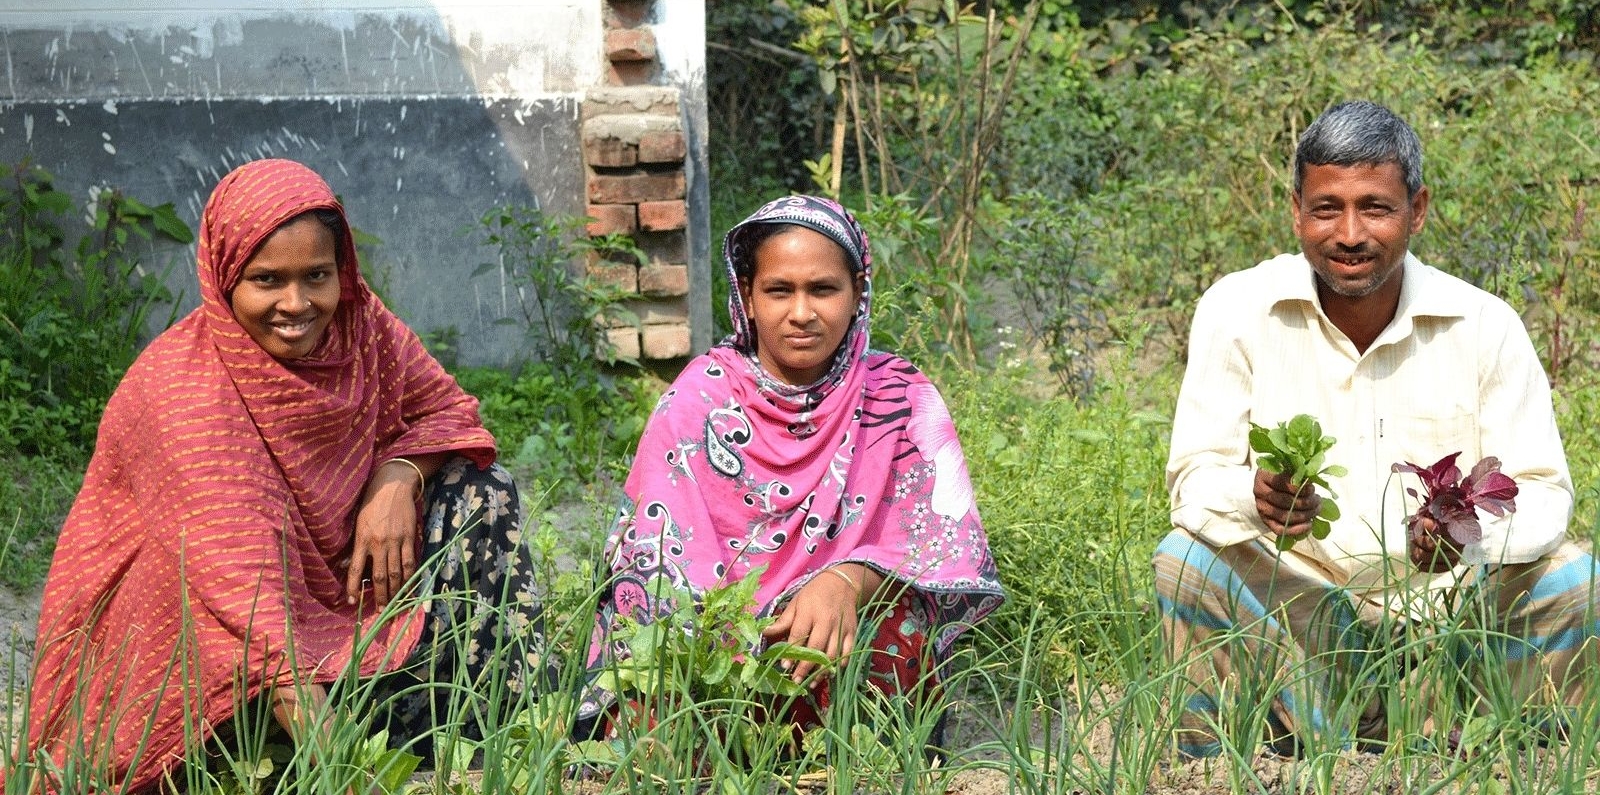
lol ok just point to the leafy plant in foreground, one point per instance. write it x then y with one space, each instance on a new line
710 647
1299 449
705 657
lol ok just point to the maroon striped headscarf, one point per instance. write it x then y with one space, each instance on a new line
204 559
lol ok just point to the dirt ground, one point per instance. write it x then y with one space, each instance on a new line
19 615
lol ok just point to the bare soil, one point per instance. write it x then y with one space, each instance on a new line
19 617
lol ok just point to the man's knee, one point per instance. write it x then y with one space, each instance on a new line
1556 602
1183 564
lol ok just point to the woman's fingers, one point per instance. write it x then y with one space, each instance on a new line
384 571
395 563
408 560
804 633
358 568
821 617
779 629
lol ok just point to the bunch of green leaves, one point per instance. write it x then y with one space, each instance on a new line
708 647
702 662
264 769
1299 449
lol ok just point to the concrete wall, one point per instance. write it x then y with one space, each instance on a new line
422 116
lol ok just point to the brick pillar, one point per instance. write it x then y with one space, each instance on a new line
634 149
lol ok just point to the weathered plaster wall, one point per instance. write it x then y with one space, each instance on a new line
422 116
218 49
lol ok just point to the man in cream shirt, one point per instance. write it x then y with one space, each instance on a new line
1400 362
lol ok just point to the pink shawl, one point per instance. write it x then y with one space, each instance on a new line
737 470
204 558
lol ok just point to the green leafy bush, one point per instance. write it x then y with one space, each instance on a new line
570 428
1073 498
550 260
73 315
1203 175
72 318
562 419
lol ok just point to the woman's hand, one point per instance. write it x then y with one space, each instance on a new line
386 529
294 708
824 615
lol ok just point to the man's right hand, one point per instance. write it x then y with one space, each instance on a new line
1284 511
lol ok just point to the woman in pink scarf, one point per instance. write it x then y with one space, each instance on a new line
267 478
792 449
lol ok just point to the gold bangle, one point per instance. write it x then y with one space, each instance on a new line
847 579
422 480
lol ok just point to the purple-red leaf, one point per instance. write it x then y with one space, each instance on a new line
1455 518
1490 489
1443 474
1451 500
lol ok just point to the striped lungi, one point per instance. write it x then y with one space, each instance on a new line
1288 652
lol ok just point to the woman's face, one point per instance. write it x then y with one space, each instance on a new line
801 297
289 290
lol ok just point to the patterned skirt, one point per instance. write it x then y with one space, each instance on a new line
482 654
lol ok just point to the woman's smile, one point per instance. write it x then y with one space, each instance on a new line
289 289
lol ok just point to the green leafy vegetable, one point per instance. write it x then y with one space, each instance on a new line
1298 448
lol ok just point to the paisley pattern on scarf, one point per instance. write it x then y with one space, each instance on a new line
738 471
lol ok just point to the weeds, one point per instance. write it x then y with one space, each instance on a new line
72 318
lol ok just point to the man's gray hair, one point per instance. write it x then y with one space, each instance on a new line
1360 133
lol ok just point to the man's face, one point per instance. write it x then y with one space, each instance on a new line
1354 224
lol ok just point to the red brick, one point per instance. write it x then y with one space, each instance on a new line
664 281
624 343
611 218
631 73
610 152
662 147
627 13
666 342
663 216
636 187
630 44
661 312
619 275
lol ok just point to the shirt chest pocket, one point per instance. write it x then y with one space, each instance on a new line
1423 440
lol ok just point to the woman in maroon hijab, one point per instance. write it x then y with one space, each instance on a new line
267 479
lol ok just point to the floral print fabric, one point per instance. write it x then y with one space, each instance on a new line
484 617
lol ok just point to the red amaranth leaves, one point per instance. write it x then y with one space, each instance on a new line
1451 500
